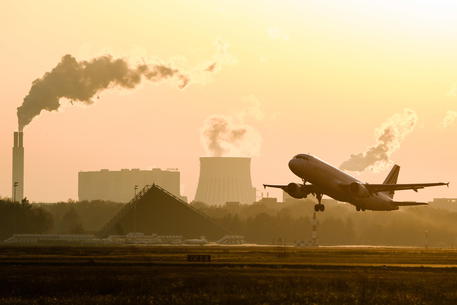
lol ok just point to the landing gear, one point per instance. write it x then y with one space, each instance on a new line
319 207
359 209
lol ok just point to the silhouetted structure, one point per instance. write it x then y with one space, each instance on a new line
18 167
449 204
224 179
119 186
156 211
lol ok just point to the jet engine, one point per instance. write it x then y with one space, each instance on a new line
298 191
359 189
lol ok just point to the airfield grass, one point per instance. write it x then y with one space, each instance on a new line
135 275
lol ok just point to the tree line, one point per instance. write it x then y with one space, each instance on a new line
263 223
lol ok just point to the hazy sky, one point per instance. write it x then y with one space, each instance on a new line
307 76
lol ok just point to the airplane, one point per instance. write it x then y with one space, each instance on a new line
324 179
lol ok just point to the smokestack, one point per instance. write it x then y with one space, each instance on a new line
18 167
224 179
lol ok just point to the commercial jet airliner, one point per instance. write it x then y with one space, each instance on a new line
325 179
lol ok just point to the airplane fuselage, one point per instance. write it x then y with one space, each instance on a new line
333 182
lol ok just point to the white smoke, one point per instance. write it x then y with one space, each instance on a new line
276 33
389 137
253 109
449 119
221 58
80 81
231 136
452 90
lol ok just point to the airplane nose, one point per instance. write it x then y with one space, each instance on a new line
295 165
291 163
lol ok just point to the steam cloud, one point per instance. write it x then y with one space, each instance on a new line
449 119
224 136
388 139
221 58
80 81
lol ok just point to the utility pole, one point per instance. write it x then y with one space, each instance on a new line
426 239
134 209
315 224
15 185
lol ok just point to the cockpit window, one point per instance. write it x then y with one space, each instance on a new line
302 156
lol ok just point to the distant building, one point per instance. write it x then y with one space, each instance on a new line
449 204
119 186
287 198
52 239
268 200
231 240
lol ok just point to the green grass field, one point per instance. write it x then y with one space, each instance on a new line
236 275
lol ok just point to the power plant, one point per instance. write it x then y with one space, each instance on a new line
120 186
225 179
18 167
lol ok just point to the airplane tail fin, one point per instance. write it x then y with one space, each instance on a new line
392 178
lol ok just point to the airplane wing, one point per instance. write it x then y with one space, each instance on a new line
408 203
374 188
292 187
275 186
295 190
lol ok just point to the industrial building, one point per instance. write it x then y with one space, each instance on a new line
120 186
70 239
130 238
225 179
156 211
17 192
449 204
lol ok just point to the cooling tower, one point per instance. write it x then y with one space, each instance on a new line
224 179
18 167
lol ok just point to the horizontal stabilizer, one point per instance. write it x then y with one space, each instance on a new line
374 188
408 203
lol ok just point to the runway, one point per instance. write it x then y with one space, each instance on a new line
232 256
235 275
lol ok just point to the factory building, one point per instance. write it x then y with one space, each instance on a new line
18 167
225 179
449 204
119 186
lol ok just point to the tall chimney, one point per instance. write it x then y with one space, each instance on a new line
18 167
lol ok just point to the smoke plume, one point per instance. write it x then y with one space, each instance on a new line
449 119
221 58
79 81
223 137
388 139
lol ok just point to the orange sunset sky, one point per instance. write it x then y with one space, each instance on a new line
313 77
